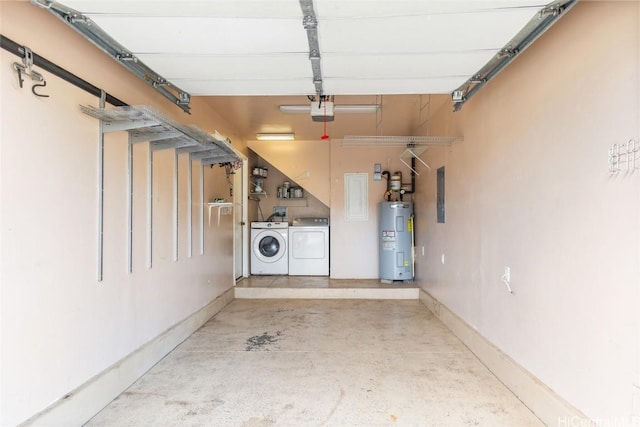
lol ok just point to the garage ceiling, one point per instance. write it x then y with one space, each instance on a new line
250 56
245 47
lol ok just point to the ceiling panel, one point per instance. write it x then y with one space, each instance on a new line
424 33
213 87
404 66
328 9
198 35
392 86
202 8
252 47
201 67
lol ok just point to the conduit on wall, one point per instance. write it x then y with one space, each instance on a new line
144 124
19 50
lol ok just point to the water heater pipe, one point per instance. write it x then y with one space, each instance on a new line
413 179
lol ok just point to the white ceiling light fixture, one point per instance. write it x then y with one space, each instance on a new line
275 136
342 109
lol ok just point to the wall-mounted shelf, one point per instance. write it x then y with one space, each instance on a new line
415 145
397 141
224 208
145 124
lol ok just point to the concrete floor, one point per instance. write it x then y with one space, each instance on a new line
326 362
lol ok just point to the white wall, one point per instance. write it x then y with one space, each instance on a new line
354 244
306 162
60 327
308 206
529 188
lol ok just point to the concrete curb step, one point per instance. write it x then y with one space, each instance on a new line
327 293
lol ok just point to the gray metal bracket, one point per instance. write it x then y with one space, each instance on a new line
26 69
310 24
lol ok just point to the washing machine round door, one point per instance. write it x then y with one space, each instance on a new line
269 246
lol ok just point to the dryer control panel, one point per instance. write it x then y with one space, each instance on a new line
310 221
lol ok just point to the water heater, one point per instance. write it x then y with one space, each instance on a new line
396 240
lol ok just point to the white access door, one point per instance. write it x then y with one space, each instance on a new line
240 235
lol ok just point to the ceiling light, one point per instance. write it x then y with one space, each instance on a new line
357 108
295 109
353 109
275 136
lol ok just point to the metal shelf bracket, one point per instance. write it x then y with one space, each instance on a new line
144 124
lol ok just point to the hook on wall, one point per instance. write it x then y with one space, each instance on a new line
24 69
33 89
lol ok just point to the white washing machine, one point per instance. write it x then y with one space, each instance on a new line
269 248
309 247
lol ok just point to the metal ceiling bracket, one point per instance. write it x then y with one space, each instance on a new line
310 23
92 32
538 25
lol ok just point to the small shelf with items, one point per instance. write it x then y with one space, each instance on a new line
259 173
288 192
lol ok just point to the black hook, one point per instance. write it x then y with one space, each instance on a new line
33 89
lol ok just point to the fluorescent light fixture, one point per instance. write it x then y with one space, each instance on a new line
275 136
295 109
348 109
356 108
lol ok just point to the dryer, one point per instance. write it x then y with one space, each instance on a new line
269 248
309 247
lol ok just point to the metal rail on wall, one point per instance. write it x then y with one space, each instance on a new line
537 26
96 35
46 65
144 124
